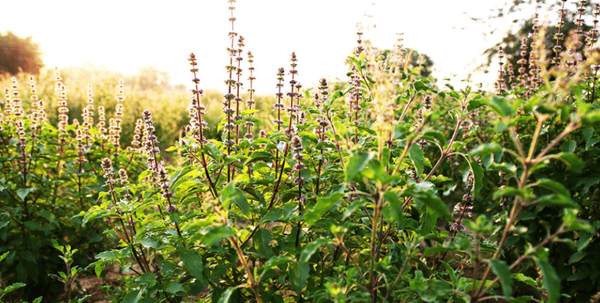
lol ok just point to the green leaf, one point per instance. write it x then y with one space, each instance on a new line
133 297
577 256
501 269
395 206
569 146
150 242
174 288
508 191
298 273
416 155
419 85
550 280
357 163
193 262
232 194
276 261
525 279
226 295
450 272
584 240
13 287
353 207
262 242
591 119
259 156
553 185
214 234
524 299
311 248
323 204
435 135
500 106
486 149
3 256
572 161
425 193
477 176
23 192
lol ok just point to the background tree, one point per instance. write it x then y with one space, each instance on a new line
19 55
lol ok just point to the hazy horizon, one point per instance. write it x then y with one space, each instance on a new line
124 36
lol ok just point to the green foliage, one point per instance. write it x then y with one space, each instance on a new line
384 189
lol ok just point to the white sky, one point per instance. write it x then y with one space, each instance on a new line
126 34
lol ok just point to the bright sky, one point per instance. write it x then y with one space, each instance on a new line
126 34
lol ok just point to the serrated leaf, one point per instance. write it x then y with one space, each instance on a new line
577 256
231 194
214 234
298 274
276 261
192 260
23 192
262 241
226 295
438 136
395 206
501 269
416 155
500 106
425 193
259 156
356 164
133 297
550 280
174 288
150 242
525 279
572 161
451 273
477 178
13 287
508 191
485 149
524 299
554 186
311 248
3 256
323 204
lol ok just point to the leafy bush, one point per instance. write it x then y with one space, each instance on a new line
385 188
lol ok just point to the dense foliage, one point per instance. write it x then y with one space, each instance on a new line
19 55
386 188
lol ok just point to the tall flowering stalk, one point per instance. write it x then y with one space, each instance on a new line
118 119
196 123
101 125
292 129
238 99
535 79
279 106
250 102
227 110
292 109
500 83
322 124
591 39
559 36
88 115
